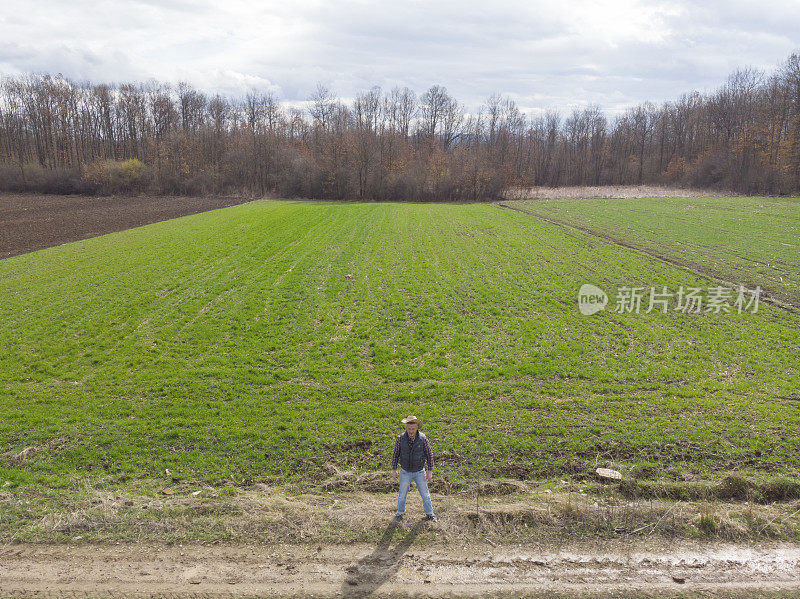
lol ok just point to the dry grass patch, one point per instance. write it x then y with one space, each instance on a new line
515 513
609 191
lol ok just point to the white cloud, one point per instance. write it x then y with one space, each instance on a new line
612 52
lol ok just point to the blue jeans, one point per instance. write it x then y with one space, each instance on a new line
422 485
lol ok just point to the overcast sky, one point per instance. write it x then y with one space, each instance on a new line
542 54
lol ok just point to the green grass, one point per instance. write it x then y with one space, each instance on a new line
752 241
234 344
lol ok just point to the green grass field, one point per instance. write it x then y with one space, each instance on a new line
264 340
752 241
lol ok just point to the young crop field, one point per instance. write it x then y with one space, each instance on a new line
263 341
752 241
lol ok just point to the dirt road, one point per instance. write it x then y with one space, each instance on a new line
396 567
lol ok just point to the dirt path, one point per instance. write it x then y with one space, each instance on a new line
32 222
397 568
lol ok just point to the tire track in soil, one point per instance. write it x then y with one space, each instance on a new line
396 567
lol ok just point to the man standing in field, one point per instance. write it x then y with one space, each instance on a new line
412 450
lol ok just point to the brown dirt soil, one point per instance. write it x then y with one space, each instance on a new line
395 567
33 222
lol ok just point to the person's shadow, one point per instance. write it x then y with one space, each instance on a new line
370 572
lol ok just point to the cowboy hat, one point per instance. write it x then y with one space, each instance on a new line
412 420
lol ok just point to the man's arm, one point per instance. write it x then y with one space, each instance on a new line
426 447
396 454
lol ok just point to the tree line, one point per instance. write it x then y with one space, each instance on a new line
59 136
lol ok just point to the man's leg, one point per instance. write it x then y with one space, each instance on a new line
422 485
405 483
